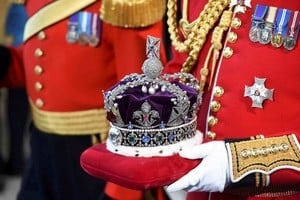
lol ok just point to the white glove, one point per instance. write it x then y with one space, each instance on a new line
211 175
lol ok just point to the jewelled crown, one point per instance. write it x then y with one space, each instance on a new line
152 114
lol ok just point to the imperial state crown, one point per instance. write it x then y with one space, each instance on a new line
153 116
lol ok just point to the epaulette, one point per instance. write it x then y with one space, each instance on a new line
18 1
132 13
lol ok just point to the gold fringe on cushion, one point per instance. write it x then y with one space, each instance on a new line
132 13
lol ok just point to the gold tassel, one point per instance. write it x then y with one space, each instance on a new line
132 13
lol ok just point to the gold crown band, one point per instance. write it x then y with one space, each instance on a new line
132 13
85 122
152 137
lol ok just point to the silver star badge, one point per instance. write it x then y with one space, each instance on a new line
240 5
258 92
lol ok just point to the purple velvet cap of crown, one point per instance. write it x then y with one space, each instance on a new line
133 98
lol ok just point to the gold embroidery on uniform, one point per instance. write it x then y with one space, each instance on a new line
263 180
264 155
132 13
85 122
257 179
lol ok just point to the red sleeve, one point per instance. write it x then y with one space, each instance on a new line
15 76
286 175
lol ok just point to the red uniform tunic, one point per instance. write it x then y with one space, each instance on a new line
62 77
235 117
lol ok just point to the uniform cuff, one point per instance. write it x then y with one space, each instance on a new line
253 160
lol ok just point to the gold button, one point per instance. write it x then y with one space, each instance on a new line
228 52
211 135
218 91
236 23
232 37
39 103
38 70
212 121
215 106
38 53
38 86
41 35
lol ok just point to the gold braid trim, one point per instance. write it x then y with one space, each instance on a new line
132 13
84 122
263 155
4 38
18 1
195 32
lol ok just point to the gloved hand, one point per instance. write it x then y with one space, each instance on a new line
211 175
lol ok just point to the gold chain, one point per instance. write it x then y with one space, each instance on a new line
196 32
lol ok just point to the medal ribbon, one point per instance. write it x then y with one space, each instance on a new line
95 25
73 26
89 24
281 21
293 26
95 30
260 12
270 18
74 19
84 21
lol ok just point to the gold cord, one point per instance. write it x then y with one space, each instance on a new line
196 32
216 40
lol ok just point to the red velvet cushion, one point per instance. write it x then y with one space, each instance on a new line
134 172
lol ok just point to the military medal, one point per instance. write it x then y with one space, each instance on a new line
94 41
266 32
291 39
95 30
257 22
84 18
254 33
83 38
289 43
277 40
73 26
281 26
84 28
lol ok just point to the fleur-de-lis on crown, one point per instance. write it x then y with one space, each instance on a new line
146 116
